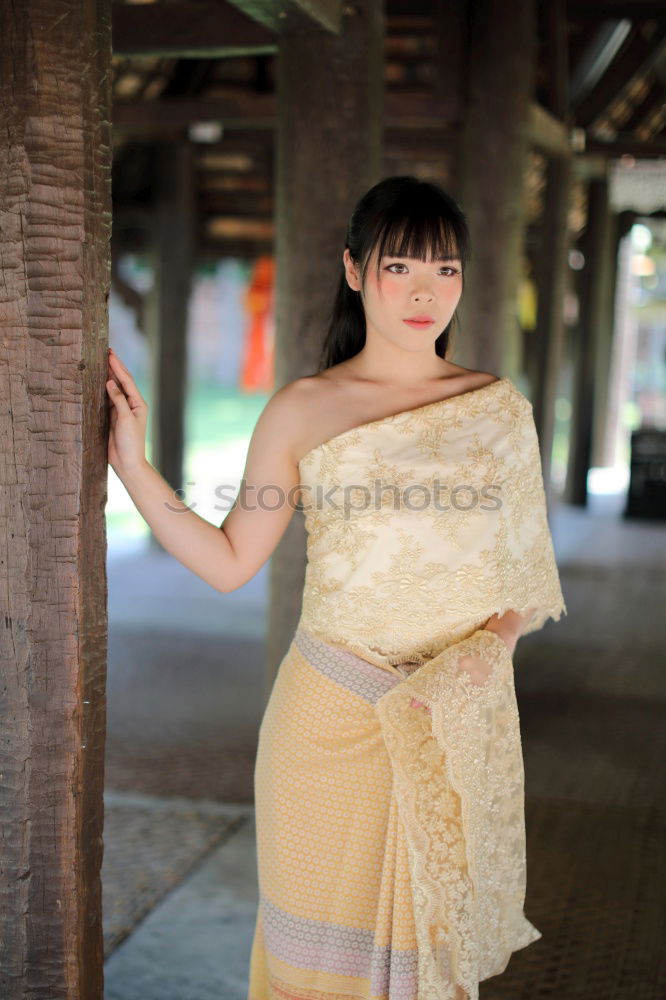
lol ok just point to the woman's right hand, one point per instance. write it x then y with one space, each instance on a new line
129 415
415 703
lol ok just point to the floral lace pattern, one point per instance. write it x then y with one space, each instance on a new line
459 783
395 582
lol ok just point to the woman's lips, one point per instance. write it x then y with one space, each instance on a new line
419 324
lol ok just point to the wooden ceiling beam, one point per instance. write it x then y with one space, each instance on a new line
225 29
293 15
599 10
627 144
405 113
410 119
243 109
198 29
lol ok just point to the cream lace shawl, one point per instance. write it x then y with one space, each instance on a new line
409 589
422 525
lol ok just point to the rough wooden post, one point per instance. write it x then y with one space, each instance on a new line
328 154
490 180
55 203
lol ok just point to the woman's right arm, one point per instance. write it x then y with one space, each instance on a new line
227 556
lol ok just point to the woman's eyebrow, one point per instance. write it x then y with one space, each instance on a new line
440 260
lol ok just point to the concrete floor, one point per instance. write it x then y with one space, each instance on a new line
185 702
185 683
195 943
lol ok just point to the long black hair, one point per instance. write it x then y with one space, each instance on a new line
403 217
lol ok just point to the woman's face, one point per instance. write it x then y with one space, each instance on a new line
406 288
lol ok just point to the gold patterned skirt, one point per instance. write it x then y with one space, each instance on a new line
390 826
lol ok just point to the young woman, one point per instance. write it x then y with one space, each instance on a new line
389 777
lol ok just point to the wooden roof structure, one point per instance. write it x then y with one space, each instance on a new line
205 69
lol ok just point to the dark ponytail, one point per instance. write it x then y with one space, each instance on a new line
403 217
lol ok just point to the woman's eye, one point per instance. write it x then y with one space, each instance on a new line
452 270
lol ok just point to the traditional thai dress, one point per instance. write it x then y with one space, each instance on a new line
389 780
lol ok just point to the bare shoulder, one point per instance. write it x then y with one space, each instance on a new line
287 411
471 378
305 411
486 377
312 391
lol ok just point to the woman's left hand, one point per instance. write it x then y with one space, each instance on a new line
507 635
509 627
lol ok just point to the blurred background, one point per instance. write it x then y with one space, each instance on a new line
243 134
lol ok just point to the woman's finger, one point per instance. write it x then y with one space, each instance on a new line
118 367
122 405
476 667
133 395
117 396
127 382
419 704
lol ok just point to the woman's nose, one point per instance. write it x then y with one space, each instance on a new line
422 293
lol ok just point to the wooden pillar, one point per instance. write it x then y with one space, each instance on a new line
622 356
172 252
593 286
601 453
490 180
55 204
330 112
552 264
552 276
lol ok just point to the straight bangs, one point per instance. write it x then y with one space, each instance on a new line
426 236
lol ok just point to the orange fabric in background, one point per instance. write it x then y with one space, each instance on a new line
257 370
